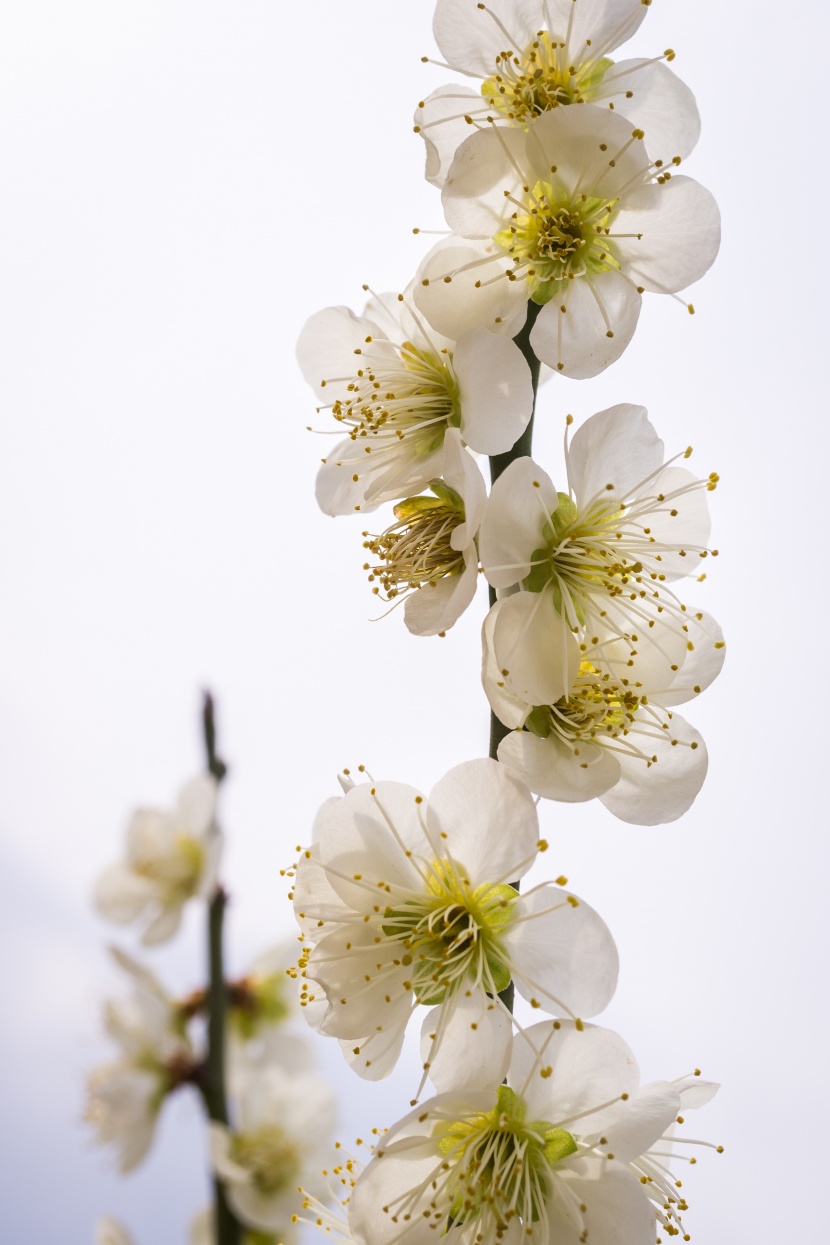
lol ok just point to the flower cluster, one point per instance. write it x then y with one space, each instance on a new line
557 169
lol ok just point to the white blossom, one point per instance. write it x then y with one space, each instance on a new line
574 215
281 1141
430 553
597 558
535 55
559 1153
171 857
396 387
404 901
124 1096
614 733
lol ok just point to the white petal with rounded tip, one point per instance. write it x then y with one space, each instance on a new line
509 709
643 1119
520 504
552 770
618 1210
469 38
389 1180
340 962
326 349
373 1057
164 926
702 665
651 795
120 895
576 341
695 1093
662 105
474 1046
617 447
336 489
564 955
607 23
534 644
689 526
584 1070
479 294
487 168
435 608
680 226
442 126
496 391
489 819
196 805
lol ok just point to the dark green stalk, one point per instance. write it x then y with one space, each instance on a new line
498 463
228 1231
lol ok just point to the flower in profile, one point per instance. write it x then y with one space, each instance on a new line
598 558
396 387
282 1140
533 57
124 1097
171 857
430 553
613 733
404 901
558 1153
570 215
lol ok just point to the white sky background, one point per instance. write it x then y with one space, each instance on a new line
183 183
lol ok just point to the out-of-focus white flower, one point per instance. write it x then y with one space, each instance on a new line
613 734
109 1231
203 1232
535 55
569 215
431 553
124 1097
396 387
282 1141
404 901
171 857
599 556
555 1154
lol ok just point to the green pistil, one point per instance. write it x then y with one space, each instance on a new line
525 86
501 1161
452 934
558 237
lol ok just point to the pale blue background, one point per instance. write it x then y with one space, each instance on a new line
182 184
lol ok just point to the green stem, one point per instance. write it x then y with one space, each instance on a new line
498 463
228 1231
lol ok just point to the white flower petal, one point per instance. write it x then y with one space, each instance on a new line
536 648
326 349
373 1057
618 1210
663 791
485 170
440 120
683 522
496 391
521 502
589 327
680 226
469 38
164 926
703 664
120 895
660 104
563 953
434 608
474 1046
642 1120
509 709
486 818
479 293
462 473
196 805
617 447
554 771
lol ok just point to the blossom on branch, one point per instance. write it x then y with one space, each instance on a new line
404 901
431 553
536 55
396 387
124 1097
171 857
564 1151
575 215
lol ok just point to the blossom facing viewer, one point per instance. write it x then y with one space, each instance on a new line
171 857
125 1096
533 57
405 901
396 387
573 215
570 1149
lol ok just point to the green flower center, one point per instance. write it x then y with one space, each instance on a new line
500 1163
582 555
597 707
451 934
417 550
540 78
270 1156
411 394
556 236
